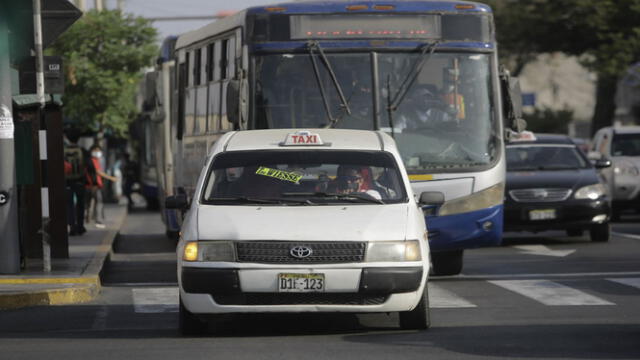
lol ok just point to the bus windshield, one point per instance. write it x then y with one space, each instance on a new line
440 113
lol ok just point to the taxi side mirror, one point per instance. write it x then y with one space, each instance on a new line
179 202
433 198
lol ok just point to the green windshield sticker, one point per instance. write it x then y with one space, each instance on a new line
279 174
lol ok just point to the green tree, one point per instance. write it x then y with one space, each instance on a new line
604 34
104 53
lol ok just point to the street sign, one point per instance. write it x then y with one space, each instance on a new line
4 198
53 75
57 16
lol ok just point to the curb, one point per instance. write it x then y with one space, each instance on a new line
64 290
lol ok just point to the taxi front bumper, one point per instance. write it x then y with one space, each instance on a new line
368 289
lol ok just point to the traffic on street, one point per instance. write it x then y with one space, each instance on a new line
319 179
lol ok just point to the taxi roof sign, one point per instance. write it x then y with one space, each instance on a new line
522 136
303 138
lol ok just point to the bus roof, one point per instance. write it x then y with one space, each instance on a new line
323 7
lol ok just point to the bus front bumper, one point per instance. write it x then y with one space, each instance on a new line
479 228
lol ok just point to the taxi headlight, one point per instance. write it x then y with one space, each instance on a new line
486 198
393 251
209 251
592 192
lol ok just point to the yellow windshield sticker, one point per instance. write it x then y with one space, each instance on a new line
420 177
279 174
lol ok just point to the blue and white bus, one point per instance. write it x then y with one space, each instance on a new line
426 72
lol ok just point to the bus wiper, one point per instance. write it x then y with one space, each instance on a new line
352 196
315 45
393 102
405 86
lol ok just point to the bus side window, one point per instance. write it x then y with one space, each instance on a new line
224 60
226 64
190 100
182 85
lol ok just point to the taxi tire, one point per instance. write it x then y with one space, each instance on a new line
420 317
447 262
189 323
600 232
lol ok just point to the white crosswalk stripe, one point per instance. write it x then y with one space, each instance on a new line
550 293
155 300
439 297
634 282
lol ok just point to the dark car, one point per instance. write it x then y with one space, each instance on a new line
551 185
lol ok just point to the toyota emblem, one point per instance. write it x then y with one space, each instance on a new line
300 252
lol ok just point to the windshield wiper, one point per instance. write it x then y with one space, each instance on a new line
393 102
351 197
315 45
248 200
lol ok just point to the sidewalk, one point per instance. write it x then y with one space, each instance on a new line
72 280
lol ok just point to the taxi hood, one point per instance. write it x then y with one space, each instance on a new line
307 223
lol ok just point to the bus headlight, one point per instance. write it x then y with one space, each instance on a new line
393 251
209 251
592 192
486 198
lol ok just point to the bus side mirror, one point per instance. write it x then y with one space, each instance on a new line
512 104
233 101
178 202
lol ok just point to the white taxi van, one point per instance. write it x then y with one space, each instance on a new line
303 221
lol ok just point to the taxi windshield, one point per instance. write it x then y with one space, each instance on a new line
548 157
303 177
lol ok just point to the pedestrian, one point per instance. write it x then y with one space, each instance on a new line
95 176
75 163
131 176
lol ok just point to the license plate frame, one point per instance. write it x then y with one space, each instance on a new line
301 282
542 214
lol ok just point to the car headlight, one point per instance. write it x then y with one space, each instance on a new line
592 192
626 168
209 251
393 251
486 198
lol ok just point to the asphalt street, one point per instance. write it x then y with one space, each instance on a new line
540 296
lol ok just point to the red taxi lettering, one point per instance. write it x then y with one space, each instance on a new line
304 139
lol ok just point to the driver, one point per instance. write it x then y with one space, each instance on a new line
354 179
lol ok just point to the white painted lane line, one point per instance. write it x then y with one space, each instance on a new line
635 282
155 300
550 293
442 298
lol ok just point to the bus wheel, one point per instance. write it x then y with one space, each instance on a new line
189 323
447 262
418 318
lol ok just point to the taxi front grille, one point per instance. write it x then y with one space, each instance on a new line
540 195
279 252
300 299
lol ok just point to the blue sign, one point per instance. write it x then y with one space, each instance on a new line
528 99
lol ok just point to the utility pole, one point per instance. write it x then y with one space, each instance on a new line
37 41
121 5
99 4
9 239
82 5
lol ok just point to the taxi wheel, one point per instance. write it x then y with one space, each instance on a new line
189 323
418 318
600 232
447 262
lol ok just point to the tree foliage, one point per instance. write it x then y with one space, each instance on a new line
603 34
104 53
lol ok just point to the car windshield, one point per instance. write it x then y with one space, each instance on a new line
544 157
626 145
304 177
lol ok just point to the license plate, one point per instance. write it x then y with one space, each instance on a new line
301 282
547 214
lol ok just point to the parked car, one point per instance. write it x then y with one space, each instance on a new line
551 185
622 146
